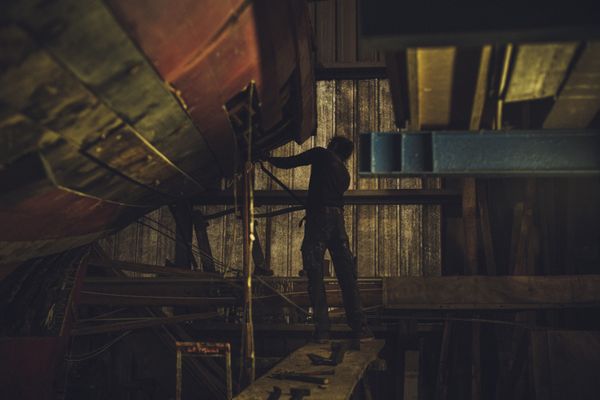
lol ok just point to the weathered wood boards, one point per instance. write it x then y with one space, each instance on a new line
341 385
108 109
498 292
539 70
579 100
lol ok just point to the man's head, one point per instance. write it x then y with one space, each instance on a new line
341 146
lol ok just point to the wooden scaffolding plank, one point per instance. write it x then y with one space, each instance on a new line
342 383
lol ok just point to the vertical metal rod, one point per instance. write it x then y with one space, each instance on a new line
178 376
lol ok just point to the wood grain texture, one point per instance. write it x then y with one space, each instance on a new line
346 32
347 374
388 230
481 292
281 229
345 125
579 100
432 233
539 70
366 216
50 97
388 240
325 31
77 36
435 68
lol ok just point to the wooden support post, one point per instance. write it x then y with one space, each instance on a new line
206 257
471 250
228 372
470 225
411 375
260 263
182 213
398 361
512 382
485 228
524 229
441 387
178 375
476 361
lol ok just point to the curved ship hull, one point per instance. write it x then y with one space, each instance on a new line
112 109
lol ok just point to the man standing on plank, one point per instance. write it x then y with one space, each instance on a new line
325 230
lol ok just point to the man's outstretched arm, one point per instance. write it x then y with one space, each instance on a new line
305 158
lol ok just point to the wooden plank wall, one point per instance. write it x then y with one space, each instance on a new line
388 240
140 243
335 31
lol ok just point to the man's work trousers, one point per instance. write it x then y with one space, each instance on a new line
324 230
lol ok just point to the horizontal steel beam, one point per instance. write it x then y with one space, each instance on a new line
402 293
490 153
351 197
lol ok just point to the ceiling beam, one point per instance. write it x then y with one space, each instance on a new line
579 100
481 88
538 70
413 89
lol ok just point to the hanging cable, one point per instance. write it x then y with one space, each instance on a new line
281 184
280 294
98 351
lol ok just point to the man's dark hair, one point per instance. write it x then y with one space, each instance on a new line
341 146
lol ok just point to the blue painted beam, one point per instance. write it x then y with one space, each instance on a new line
501 153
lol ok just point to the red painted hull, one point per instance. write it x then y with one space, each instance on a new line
205 52
229 44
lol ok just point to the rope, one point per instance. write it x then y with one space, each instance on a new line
281 184
280 294
196 251
139 296
267 214
98 351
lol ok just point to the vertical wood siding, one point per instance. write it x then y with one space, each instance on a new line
387 240
335 29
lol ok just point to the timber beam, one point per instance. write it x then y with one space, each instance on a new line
354 70
405 293
454 24
351 197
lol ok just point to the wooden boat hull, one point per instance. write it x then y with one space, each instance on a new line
111 109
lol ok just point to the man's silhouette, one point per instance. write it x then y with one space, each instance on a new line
325 230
